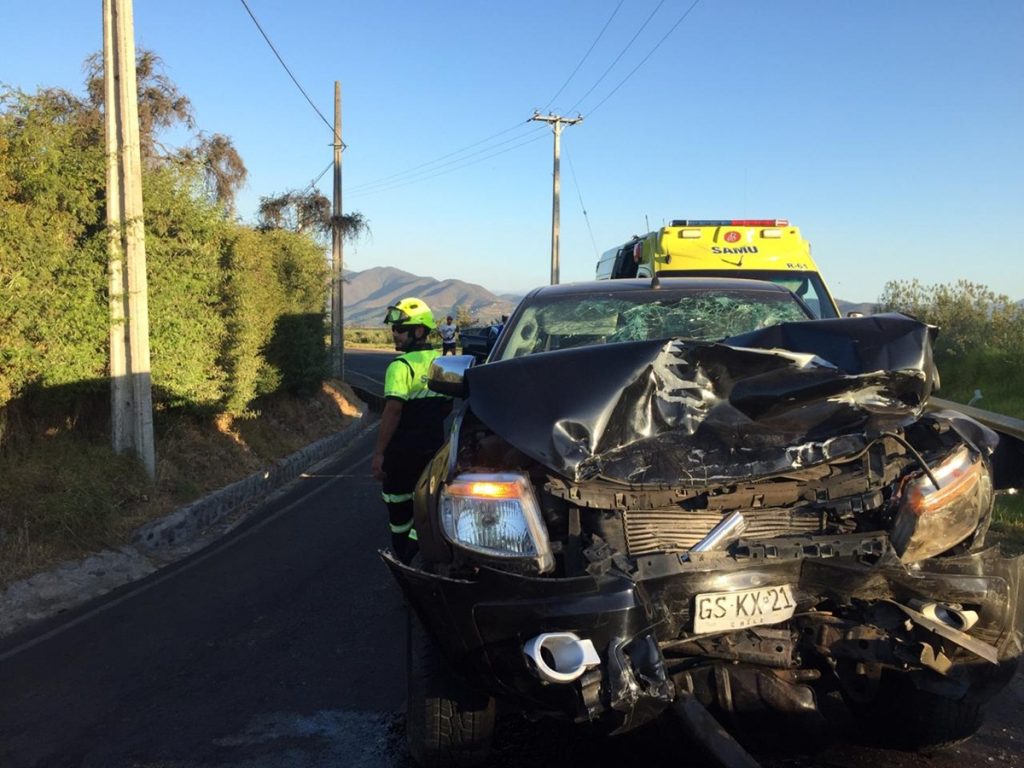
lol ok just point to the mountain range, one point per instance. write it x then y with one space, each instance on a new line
370 292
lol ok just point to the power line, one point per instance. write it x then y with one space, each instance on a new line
409 176
297 85
645 58
312 184
583 208
414 169
399 177
591 48
433 175
621 54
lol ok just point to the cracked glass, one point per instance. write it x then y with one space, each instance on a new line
580 320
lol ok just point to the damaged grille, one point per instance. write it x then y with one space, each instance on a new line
676 530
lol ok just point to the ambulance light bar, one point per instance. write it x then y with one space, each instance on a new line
730 223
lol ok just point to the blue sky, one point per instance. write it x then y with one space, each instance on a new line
890 132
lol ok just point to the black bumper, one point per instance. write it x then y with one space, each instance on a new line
482 624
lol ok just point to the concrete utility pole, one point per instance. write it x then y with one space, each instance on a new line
130 375
120 397
557 123
337 276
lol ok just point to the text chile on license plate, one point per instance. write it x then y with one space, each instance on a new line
719 611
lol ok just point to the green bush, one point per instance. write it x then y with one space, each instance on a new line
980 344
184 236
233 313
969 316
251 304
53 317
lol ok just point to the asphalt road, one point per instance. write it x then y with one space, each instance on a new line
283 645
280 645
365 368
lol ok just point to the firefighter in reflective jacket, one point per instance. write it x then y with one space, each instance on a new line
412 424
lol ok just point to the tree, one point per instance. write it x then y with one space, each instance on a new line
162 105
307 212
464 318
222 168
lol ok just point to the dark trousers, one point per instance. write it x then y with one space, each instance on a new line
402 468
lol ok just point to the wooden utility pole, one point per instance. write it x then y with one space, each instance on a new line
337 234
131 382
557 124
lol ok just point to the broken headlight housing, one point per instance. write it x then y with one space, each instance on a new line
932 520
496 515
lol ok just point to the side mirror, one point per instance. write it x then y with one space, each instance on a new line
855 314
448 375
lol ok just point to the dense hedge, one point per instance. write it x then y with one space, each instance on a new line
52 263
234 312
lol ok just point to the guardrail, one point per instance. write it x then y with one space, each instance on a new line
1008 462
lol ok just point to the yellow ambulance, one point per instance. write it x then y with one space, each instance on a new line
761 249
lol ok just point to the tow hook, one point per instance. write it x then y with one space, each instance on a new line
560 657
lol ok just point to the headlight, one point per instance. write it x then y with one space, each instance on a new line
932 520
496 515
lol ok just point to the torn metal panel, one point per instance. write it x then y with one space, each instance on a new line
981 649
688 412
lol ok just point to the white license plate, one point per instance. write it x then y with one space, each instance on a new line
721 611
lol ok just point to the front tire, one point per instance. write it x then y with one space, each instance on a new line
903 716
448 725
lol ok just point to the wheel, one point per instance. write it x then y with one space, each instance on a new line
902 716
447 723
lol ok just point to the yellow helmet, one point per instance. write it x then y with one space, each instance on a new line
410 312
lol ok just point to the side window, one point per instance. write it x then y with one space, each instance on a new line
526 338
812 299
806 289
625 266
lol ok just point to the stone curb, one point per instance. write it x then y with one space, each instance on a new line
76 581
183 524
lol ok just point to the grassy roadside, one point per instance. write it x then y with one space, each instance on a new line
65 494
1008 522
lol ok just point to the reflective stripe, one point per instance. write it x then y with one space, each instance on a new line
426 393
412 534
403 528
396 498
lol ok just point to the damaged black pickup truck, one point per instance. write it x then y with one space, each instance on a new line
690 496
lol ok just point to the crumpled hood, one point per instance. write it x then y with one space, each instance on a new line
688 413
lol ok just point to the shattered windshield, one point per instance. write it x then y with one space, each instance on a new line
579 320
807 285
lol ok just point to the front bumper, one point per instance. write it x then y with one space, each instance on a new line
481 624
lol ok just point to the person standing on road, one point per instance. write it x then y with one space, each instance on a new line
412 424
448 330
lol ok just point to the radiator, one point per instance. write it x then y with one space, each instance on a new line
676 530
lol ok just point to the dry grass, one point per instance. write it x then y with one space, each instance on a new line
65 494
